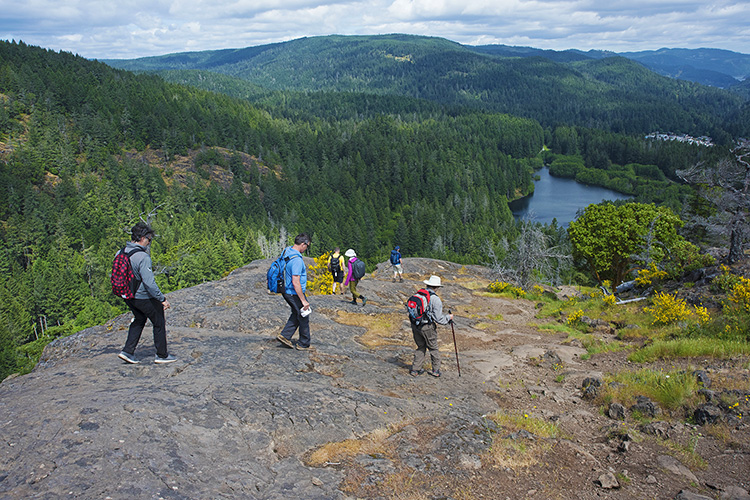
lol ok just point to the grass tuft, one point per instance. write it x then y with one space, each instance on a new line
670 390
690 348
521 453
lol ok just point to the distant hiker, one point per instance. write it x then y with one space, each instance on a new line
398 271
336 268
148 303
425 333
295 280
356 272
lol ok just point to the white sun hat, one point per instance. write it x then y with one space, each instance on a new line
350 253
433 281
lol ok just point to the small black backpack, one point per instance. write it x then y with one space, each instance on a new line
358 269
335 264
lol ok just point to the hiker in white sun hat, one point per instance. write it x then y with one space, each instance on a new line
356 271
425 333
434 281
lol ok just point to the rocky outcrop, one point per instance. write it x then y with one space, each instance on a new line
241 416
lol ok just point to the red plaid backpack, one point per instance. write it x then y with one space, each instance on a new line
123 279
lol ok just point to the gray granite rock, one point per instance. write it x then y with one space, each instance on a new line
236 415
689 495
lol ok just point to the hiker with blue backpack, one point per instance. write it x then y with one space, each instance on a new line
398 271
295 285
133 280
425 313
356 270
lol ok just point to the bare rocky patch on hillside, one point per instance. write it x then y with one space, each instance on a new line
240 416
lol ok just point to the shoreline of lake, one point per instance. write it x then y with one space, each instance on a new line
559 198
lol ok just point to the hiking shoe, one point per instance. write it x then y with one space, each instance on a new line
435 373
300 347
354 302
416 373
364 301
168 359
394 280
401 280
285 341
128 358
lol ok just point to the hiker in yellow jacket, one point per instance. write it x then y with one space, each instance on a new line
336 268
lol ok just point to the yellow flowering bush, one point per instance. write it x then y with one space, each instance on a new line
574 317
667 309
739 294
702 313
609 300
726 280
502 286
498 286
538 290
320 280
649 275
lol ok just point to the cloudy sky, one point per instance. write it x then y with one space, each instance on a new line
105 29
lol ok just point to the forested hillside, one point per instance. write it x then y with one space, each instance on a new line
614 94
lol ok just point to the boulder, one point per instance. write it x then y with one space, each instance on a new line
707 414
616 411
645 407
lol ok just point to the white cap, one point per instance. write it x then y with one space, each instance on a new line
433 281
350 253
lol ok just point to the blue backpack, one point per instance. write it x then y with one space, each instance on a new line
395 257
277 274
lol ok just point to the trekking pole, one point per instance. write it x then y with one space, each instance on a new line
455 346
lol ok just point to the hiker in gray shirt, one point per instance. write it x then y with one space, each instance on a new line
425 335
149 302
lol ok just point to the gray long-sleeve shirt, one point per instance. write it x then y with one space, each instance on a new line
141 264
435 310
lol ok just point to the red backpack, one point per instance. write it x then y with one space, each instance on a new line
123 279
417 307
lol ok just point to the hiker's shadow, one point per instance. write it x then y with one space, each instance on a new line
402 359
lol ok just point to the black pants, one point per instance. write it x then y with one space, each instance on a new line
296 321
144 309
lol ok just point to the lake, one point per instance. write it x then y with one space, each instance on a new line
558 198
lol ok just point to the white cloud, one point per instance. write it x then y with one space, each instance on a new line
135 28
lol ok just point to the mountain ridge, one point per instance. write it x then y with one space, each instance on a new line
708 66
565 89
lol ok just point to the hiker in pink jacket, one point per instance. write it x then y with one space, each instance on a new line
355 273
